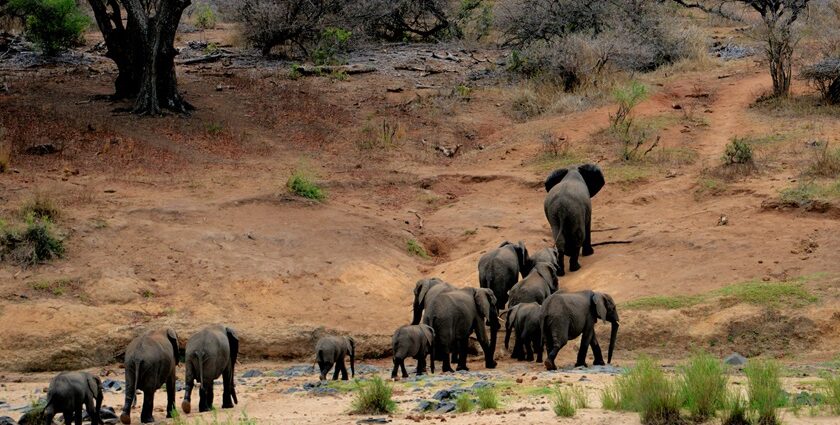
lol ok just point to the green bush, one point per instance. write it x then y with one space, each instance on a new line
764 388
703 385
738 151
832 393
34 243
35 415
333 42
464 403
563 404
374 397
734 409
54 25
302 185
645 389
487 398
415 248
205 17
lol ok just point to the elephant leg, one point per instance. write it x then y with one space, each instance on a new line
596 351
343 370
324 367
552 354
189 382
402 367
574 264
587 237
148 406
227 389
585 340
462 353
394 370
529 355
447 367
538 348
91 409
78 414
421 365
209 392
205 396
481 335
170 395
336 371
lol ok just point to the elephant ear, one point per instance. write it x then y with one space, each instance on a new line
593 177
512 313
233 340
482 301
522 256
554 178
173 339
351 345
429 333
94 385
421 289
600 304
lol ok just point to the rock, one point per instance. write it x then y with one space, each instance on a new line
483 384
442 395
445 407
108 415
426 405
735 359
297 371
676 106
373 421
5 420
110 385
253 373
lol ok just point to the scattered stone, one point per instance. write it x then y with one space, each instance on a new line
676 106
723 221
373 421
735 359
5 420
253 373
319 388
110 385
426 405
445 407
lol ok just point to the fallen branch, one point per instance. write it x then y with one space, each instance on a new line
418 218
611 243
329 69
213 57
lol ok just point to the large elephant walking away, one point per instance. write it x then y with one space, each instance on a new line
330 350
569 315
499 269
150 361
211 353
68 391
425 290
568 208
455 315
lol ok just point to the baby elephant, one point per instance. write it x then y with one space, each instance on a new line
68 391
331 350
415 341
524 320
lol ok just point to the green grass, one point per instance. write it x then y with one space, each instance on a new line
647 390
546 162
41 207
734 409
764 388
627 173
56 287
302 184
343 386
710 185
33 243
703 385
487 398
415 248
464 403
562 403
374 397
611 397
806 192
243 419
832 393
664 302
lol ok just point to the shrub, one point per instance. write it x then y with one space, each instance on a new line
54 25
832 393
33 244
703 385
415 248
408 20
563 404
735 409
205 17
645 389
579 397
374 397
302 185
464 403
487 398
333 42
40 206
293 23
738 151
611 397
826 163
764 388
825 77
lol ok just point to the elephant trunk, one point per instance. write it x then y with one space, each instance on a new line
613 334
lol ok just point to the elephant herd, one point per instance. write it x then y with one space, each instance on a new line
522 288
150 362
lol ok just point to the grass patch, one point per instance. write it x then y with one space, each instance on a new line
40 206
710 186
464 403
831 393
36 413
487 398
764 387
415 248
56 287
774 294
374 397
627 173
243 419
672 156
806 192
826 162
734 409
33 243
562 403
343 386
658 302
645 389
703 385
796 106
302 184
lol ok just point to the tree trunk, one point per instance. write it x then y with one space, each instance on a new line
780 53
833 93
142 46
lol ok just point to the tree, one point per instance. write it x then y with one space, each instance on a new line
142 46
778 17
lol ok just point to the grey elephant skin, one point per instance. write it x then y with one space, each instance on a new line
546 255
500 268
413 341
331 350
426 290
455 315
150 362
211 353
536 287
524 320
68 391
568 208
567 316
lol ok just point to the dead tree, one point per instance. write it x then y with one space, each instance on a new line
140 36
778 17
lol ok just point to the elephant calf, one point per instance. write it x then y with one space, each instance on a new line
150 361
524 319
67 393
211 353
567 316
415 341
536 287
331 350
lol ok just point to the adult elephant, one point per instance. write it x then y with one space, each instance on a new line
499 269
426 290
569 315
455 315
536 287
150 361
568 208
211 353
